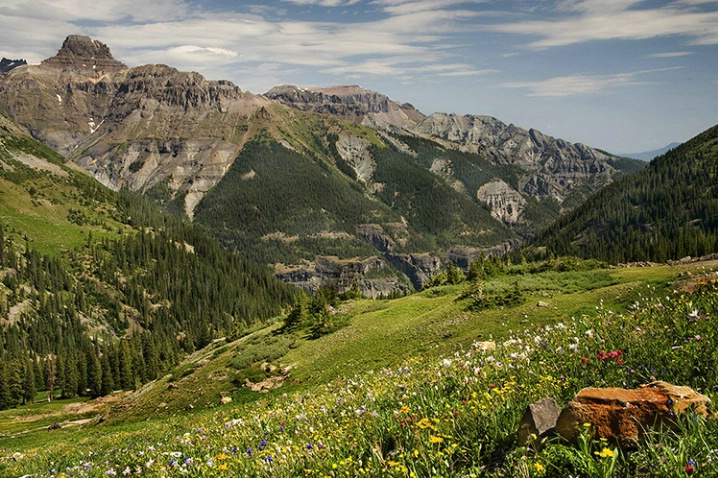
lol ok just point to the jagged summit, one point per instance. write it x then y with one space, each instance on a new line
82 52
6 64
351 102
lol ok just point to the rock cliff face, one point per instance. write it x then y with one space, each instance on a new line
145 127
81 53
373 276
352 103
505 202
552 167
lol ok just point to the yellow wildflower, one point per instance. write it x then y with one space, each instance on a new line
605 453
222 467
539 467
424 423
435 439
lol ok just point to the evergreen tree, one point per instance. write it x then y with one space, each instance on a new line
127 381
50 373
70 377
5 399
94 374
108 384
28 384
15 382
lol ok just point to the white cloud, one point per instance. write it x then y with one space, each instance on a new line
589 20
670 54
324 3
575 85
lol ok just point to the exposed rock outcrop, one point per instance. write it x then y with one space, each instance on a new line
82 53
505 202
6 64
624 416
553 167
356 152
140 127
373 276
351 102
419 268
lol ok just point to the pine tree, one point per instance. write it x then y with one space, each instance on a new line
127 381
28 384
108 384
15 382
50 373
94 374
71 377
5 400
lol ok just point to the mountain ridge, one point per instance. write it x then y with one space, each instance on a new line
649 155
174 136
667 211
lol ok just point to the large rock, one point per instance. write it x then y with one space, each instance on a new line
538 421
624 416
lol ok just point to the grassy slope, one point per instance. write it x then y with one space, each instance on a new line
381 334
40 200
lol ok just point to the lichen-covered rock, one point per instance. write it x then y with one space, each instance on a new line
623 416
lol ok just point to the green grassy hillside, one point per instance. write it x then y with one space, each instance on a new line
407 388
101 291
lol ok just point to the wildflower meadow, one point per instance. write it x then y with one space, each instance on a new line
456 415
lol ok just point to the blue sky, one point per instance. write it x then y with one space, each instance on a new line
621 75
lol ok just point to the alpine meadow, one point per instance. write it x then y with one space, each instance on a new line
197 280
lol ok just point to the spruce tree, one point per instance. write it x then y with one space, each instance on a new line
28 384
94 375
108 384
16 382
5 401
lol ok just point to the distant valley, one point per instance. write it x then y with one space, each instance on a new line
649 155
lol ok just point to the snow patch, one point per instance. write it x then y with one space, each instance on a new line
94 127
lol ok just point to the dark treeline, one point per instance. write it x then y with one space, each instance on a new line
667 211
119 313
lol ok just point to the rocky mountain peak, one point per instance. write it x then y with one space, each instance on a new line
82 52
350 102
6 64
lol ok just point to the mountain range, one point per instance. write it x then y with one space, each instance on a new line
328 185
649 155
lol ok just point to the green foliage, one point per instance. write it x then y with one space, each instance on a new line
318 313
283 205
452 415
435 210
481 300
669 210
